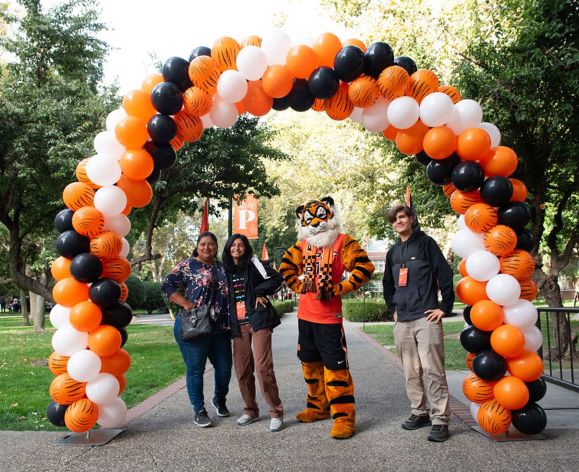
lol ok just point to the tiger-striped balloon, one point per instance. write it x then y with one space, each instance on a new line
57 363
318 104
528 289
196 101
453 93
106 244
480 217
116 268
189 127
393 82
461 201
177 142
225 51
519 264
251 41
448 189
124 292
477 390
65 390
81 176
339 107
88 221
204 73
469 359
363 92
500 240
77 195
494 418
81 415
422 83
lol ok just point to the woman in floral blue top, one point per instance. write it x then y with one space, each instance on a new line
193 278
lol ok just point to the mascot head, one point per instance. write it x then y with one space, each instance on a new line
318 222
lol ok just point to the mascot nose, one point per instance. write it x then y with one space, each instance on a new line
315 223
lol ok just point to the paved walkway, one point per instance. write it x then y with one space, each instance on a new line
165 439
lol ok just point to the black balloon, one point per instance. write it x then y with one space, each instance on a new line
537 389
467 176
70 244
162 129
55 413
118 315
488 365
199 51
124 336
280 104
423 158
377 57
514 214
86 268
474 339
525 240
63 220
300 98
439 171
176 71
323 82
466 314
349 63
496 191
154 176
105 292
530 420
163 155
167 98
406 63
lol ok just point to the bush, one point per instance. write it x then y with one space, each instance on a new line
136 288
154 300
283 307
373 309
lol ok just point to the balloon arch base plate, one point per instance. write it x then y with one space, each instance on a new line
97 437
509 436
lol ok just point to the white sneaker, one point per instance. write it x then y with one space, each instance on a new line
244 420
276 424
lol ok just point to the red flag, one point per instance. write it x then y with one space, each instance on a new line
408 198
264 254
205 218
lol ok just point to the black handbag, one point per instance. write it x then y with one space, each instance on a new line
264 317
199 321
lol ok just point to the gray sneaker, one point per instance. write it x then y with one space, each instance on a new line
202 419
244 420
276 424
439 433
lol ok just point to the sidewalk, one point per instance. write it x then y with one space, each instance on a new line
165 438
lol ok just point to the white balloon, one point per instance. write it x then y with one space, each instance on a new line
465 242
533 338
276 45
125 249
106 144
460 223
103 170
403 112
522 314
436 109
493 132
67 340
59 316
375 118
110 200
482 265
467 114
251 62
474 408
223 114
103 389
113 414
119 223
207 122
231 86
356 114
503 289
84 365
114 117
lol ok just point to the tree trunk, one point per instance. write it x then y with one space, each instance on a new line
559 323
24 308
39 312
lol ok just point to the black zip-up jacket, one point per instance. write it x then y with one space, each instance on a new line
427 272
260 281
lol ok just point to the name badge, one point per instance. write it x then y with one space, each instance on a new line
240 309
403 277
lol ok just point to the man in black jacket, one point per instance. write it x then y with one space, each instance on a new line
415 271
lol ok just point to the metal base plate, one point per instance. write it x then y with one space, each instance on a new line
97 437
510 436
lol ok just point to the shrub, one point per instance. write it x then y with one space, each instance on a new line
136 288
373 309
283 307
154 300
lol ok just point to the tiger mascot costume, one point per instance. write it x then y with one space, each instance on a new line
313 268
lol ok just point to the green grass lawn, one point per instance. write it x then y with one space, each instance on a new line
25 378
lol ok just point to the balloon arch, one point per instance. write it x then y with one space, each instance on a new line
386 94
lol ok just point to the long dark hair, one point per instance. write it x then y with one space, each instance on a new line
204 234
244 260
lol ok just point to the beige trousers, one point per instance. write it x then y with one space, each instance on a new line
420 346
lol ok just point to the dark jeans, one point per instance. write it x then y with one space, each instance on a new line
216 347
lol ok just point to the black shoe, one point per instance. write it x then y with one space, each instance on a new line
220 408
439 433
415 422
202 419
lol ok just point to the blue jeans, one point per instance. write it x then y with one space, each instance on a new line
216 347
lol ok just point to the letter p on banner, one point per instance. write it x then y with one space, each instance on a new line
245 217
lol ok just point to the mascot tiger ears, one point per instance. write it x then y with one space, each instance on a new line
319 222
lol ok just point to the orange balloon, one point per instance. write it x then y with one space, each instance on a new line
473 144
326 46
487 316
204 72
409 143
122 382
439 142
339 107
77 195
151 81
124 292
318 104
503 161
469 291
57 363
461 201
301 61
448 189
519 191
449 90
81 176
190 127
127 210
240 108
116 364
177 142
511 392
138 103
390 133
137 164
139 192
116 268
519 263
469 358
477 390
363 91
225 51
251 41
355 42
60 268
85 316
480 217
131 132
422 83
88 221
393 82
277 81
507 340
528 289
256 101
462 268
81 415
68 292
65 390
105 340
500 240
196 101
494 418
106 244
527 366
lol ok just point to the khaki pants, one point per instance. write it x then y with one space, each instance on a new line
252 351
420 346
